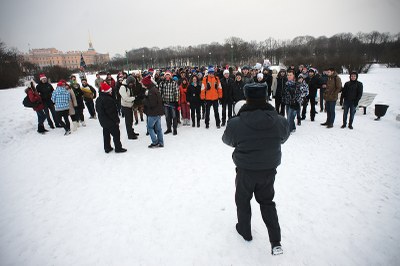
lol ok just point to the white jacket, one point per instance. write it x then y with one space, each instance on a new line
126 99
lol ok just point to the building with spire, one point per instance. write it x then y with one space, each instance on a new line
52 57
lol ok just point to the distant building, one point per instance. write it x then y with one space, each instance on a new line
53 57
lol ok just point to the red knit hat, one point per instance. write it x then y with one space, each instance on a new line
147 80
104 87
61 82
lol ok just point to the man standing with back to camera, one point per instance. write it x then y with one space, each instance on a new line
257 133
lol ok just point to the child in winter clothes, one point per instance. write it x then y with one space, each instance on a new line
183 102
61 98
39 108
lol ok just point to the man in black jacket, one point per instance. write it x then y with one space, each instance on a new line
351 95
314 83
108 117
257 133
45 91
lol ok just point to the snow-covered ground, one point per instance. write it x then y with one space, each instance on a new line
63 201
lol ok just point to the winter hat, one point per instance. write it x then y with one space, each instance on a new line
175 78
61 82
238 74
301 75
168 73
104 87
130 79
146 81
311 70
226 71
260 76
42 76
257 66
245 67
150 70
255 90
211 70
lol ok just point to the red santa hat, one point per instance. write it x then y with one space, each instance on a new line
42 76
104 87
146 81
61 82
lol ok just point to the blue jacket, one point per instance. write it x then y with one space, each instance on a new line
61 98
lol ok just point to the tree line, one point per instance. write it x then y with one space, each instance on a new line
343 50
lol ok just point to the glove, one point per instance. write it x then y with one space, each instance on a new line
179 108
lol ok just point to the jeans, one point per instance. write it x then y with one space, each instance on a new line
154 128
261 183
170 116
41 117
291 114
214 104
330 112
346 106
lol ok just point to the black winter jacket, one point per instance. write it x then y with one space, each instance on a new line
280 86
107 110
352 91
313 85
193 95
256 133
238 93
45 90
227 89
153 104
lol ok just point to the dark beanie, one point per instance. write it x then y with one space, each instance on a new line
255 90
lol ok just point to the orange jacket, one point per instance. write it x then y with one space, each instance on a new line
215 90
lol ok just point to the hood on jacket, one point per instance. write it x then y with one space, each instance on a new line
354 73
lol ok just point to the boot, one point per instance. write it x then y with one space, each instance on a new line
83 123
75 125
41 129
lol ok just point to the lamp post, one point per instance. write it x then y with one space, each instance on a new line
198 60
210 58
143 61
127 63
232 54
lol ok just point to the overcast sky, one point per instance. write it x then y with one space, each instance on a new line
116 26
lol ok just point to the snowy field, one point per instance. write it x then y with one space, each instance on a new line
63 201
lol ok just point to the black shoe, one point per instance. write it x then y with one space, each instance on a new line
198 124
167 132
121 150
136 134
343 126
151 146
147 133
223 124
109 150
59 126
133 137
207 126
141 119
324 124
350 127
218 126
159 145
52 126
136 122
245 237
175 132
193 125
299 123
312 119
316 112
329 126
303 118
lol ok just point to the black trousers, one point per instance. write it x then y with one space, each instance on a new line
195 113
214 104
107 133
226 104
63 115
90 106
312 105
279 106
261 183
128 114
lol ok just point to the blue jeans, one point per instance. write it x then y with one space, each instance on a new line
348 105
41 115
154 128
291 114
330 112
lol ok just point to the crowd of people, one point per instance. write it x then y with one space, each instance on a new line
185 97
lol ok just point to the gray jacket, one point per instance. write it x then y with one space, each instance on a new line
256 134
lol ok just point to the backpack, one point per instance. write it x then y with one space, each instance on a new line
27 102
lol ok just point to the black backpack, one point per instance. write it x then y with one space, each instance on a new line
27 102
